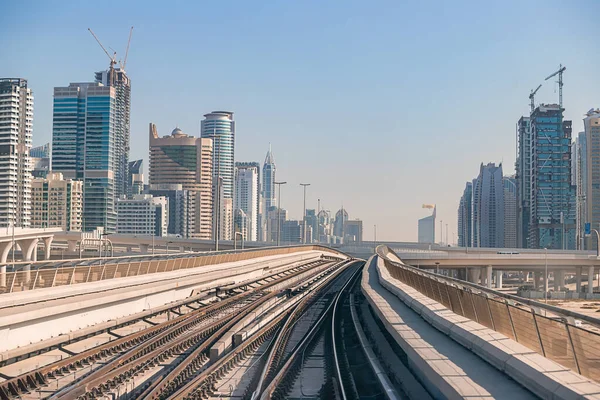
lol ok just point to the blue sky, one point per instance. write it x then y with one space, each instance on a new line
380 105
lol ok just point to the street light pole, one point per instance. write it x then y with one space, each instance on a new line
304 185
279 210
546 275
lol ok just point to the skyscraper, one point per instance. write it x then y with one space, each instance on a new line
220 127
117 78
464 216
523 179
268 189
246 195
135 178
580 175
426 228
510 212
83 147
16 119
488 207
553 207
340 222
590 170
186 160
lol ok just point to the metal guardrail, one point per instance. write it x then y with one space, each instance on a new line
574 347
23 280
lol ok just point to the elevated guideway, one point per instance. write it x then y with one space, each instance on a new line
537 347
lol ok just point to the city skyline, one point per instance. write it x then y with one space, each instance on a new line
396 111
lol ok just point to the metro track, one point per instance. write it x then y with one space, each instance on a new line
117 360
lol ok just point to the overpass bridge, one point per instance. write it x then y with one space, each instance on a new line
288 322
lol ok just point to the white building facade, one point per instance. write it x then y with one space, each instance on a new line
143 215
246 196
16 124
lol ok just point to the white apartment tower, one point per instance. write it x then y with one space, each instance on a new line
246 196
16 121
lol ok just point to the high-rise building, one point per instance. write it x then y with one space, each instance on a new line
135 179
16 122
488 207
56 202
185 160
339 226
182 208
83 146
510 212
291 232
40 160
226 219
354 231
246 196
553 206
268 189
580 175
117 78
523 179
590 170
220 128
464 216
272 226
426 228
325 229
313 222
142 215
40 151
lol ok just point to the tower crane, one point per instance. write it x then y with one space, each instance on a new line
532 95
113 58
127 50
560 71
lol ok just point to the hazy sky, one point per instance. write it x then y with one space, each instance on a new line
380 105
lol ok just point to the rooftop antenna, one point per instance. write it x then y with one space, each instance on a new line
560 71
532 95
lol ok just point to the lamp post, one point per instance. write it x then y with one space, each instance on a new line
279 210
304 185
546 275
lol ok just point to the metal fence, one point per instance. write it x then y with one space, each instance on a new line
574 347
50 277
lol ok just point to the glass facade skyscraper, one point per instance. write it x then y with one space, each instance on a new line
464 216
268 190
553 207
220 127
523 179
83 147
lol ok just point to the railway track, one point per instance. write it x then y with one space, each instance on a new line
105 367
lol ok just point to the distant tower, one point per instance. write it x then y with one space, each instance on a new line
488 207
268 190
117 78
220 127
427 226
246 197
16 119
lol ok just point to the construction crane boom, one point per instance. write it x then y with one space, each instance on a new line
532 96
113 57
127 50
560 71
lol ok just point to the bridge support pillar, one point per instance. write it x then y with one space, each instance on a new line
474 274
578 279
499 279
143 248
536 280
559 280
590 288
488 276
47 247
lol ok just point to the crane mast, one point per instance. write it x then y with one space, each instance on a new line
532 96
560 71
